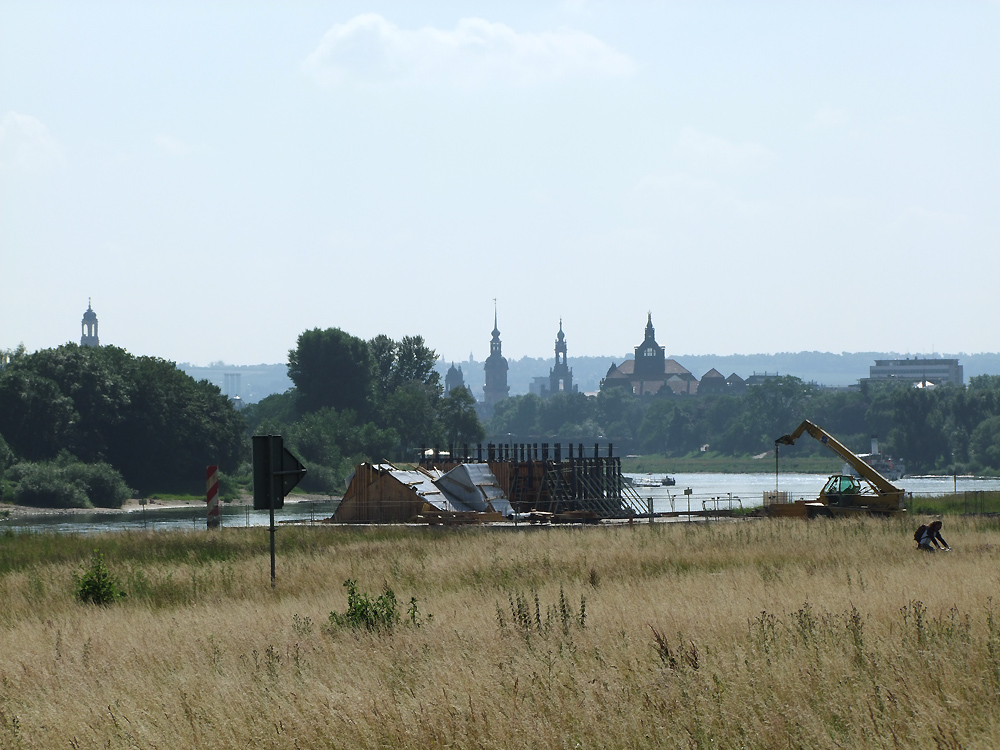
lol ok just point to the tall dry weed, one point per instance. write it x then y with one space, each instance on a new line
750 634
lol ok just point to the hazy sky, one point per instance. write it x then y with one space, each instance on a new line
762 177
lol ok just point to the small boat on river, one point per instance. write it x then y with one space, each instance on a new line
892 469
649 481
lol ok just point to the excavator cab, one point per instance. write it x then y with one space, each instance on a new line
841 490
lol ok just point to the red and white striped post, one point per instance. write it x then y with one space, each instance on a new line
212 497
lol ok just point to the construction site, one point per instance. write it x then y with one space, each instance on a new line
530 482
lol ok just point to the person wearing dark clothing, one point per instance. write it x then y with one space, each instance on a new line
928 537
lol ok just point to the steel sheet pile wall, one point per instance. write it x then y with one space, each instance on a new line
535 478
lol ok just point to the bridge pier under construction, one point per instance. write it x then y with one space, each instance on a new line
548 479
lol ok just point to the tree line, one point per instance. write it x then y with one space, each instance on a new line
942 430
82 426
89 426
360 400
86 426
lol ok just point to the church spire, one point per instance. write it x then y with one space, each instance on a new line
495 368
89 327
561 376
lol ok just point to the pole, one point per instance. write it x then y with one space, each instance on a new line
270 505
273 486
212 496
775 500
272 540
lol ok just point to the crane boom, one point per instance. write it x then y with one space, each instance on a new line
890 496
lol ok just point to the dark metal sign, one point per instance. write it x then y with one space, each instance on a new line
275 473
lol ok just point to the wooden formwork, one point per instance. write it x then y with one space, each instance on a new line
588 485
375 496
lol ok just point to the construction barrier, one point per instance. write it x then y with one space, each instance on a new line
212 497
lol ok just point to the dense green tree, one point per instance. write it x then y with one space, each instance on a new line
654 430
384 358
415 362
913 433
932 429
36 418
517 417
620 413
398 363
985 444
153 423
331 442
332 368
561 411
269 412
411 410
6 455
459 419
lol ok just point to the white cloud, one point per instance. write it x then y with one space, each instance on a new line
369 49
26 144
709 151
170 145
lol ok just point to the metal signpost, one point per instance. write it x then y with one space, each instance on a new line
275 472
212 496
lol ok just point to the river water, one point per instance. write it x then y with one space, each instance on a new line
717 491
171 519
707 491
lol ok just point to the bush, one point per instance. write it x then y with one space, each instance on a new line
323 480
104 486
67 483
6 456
96 584
231 486
381 614
44 486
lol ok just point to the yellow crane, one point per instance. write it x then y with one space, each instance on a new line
842 494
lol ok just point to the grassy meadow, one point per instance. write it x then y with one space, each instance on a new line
736 634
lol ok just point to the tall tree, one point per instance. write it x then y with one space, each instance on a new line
152 422
330 367
415 361
459 419
384 362
411 410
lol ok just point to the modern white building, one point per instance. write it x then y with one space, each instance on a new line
936 371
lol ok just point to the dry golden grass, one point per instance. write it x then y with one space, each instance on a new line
756 634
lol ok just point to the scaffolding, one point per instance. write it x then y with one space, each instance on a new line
539 478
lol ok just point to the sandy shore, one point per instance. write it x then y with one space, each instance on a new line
134 504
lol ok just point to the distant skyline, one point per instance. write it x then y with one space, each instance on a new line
769 177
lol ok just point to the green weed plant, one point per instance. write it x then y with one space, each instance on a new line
96 584
380 614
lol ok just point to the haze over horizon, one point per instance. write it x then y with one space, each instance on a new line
762 178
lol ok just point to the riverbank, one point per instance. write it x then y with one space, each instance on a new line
709 463
133 505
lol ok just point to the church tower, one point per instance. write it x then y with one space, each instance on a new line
453 379
89 326
649 357
496 388
560 376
